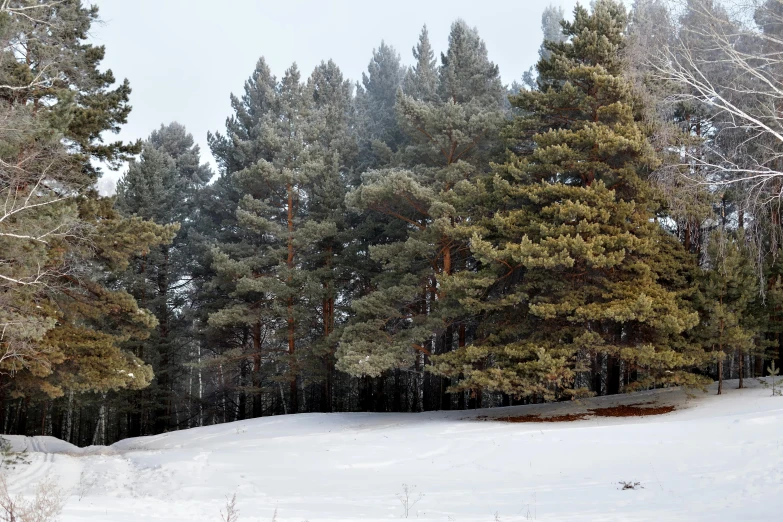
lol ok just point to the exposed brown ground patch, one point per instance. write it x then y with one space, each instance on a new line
627 410
538 418
631 410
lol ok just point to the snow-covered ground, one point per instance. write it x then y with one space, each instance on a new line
714 458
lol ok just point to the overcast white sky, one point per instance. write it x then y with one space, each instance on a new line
184 57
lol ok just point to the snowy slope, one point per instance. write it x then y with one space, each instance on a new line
714 458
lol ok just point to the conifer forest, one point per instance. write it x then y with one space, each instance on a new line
422 238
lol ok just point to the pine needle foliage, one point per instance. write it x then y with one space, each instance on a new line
575 270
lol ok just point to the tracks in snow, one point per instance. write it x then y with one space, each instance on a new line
41 462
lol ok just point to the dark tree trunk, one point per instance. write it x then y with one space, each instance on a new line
446 346
21 416
3 412
163 405
294 396
243 393
134 422
258 404
741 368
779 362
380 395
326 387
365 394
612 376
476 399
595 370
427 381
397 404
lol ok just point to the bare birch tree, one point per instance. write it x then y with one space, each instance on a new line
730 58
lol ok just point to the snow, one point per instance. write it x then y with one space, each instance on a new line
715 458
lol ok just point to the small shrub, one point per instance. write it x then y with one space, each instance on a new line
232 513
774 372
45 506
85 484
408 498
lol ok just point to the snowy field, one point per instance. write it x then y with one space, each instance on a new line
714 458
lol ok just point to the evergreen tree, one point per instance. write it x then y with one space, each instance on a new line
272 209
162 187
285 279
325 256
51 85
47 63
551 20
727 295
233 356
575 271
407 317
421 81
376 98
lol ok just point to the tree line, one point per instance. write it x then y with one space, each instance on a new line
427 238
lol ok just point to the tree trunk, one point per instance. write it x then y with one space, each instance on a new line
66 433
720 349
741 369
258 408
365 394
163 406
380 395
290 320
21 415
5 409
397 404
328 325
612 375
445 382
44 408
242 392
200 390
779 362
418 404
595 369
98 437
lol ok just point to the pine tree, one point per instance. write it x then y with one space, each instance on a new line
421 81
325 256
407 317
380 132
283 281
162 187
51 85
726 299
551 20
233 357
48 64
270 208
574 270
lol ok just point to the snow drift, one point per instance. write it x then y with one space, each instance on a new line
714 458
